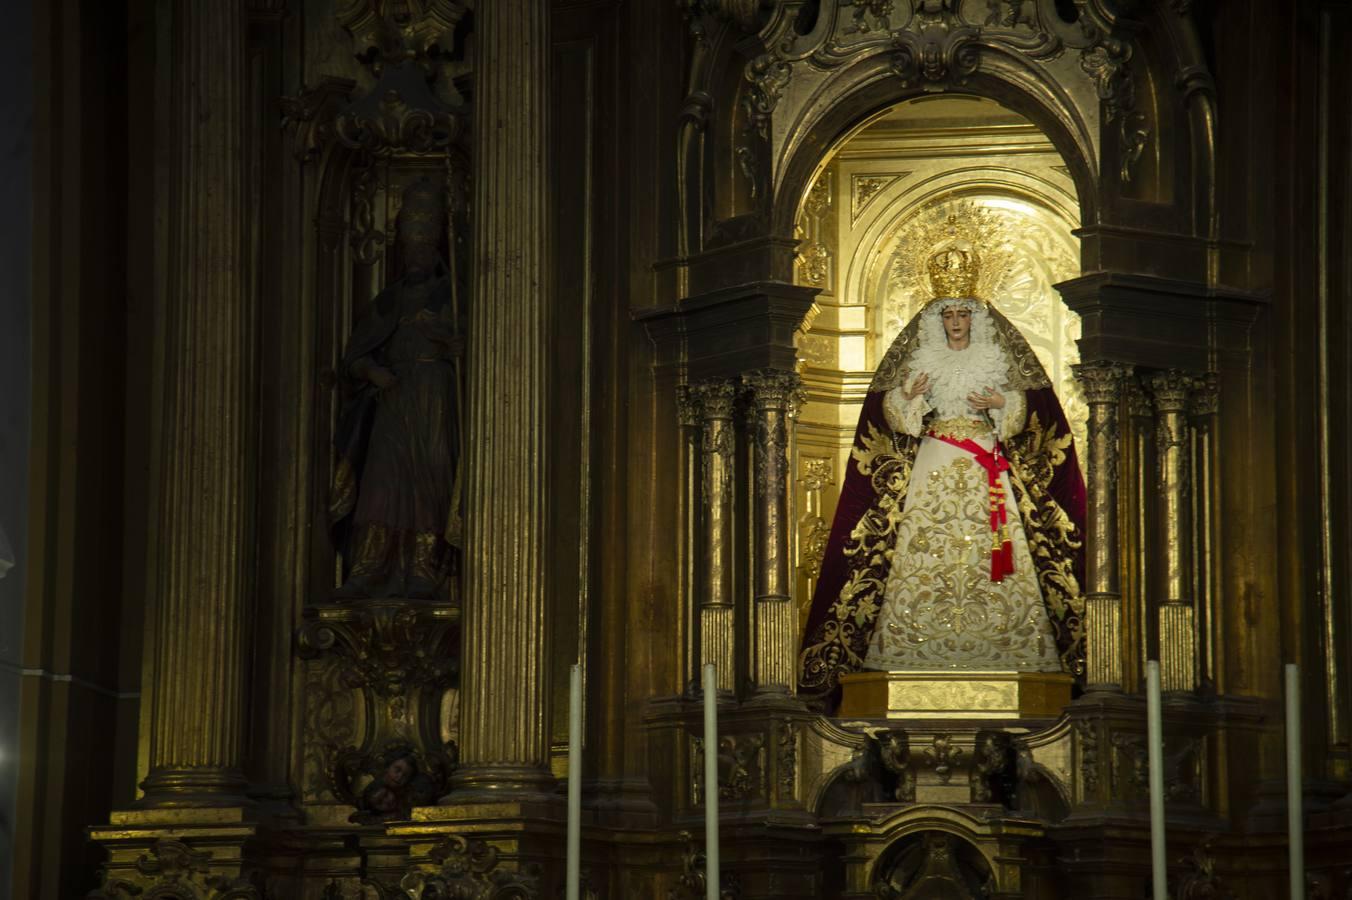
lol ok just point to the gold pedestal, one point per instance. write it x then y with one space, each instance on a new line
954 694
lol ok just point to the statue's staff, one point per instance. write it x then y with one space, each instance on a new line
454 521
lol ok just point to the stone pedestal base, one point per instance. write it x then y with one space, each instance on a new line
953 694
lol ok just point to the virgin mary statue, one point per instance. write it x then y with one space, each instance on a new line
958 539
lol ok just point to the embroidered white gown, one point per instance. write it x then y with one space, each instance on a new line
940 608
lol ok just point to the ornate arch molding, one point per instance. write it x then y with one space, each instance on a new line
1109 88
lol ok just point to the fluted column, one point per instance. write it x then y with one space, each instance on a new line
717 486
1203 403
773 654
505 724
1177 615
208 494
1102 382
688 409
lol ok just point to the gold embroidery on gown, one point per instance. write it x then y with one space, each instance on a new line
940 609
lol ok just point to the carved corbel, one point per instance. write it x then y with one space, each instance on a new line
401 656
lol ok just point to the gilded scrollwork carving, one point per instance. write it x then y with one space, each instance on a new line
894 752
741 768
461 868
786 759
310 115
1199 880
385 647
398 120
377 674
366 237
1183 770
330 723
692 883
938 43
1170 391
870 16
767 76
385 32
1204 398
1130 764
814 260
942 51
994 768
1087 744
173 870
943 756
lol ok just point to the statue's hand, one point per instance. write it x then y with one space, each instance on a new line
918 386
381 377
988 399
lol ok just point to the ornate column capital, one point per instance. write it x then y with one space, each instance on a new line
1205 397
714 398
1102 381
772 388
1170 391
688 406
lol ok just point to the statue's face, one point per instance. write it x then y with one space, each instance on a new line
398 773
957 326
420 259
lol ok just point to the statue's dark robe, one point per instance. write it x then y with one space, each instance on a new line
397 450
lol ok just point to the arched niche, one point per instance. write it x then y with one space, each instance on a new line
879 204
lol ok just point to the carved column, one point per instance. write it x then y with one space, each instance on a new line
1203 403
717 617
773 652
505 724
208 490
1141 625
688 408
1177 615
1102 383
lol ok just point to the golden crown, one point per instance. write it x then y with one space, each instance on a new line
953 272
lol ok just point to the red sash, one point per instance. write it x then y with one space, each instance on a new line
994 462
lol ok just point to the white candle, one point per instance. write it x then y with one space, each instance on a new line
1155 744
710 781
1295 812
574 782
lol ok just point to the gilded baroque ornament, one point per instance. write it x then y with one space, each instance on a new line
786 759
399 658
395 31
1087 743
468 869
863 188
943 756
814 263
692 883
715 399
894 753
934 44
741 768
1103 385
175 871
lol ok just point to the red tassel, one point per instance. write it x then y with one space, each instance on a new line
1002 561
